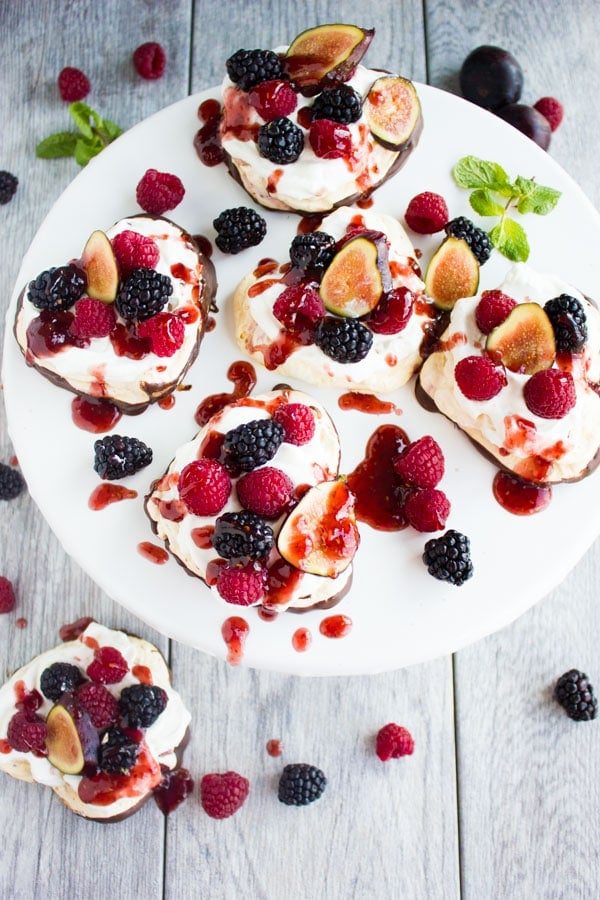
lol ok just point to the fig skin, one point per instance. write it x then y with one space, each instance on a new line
452 273
357 276
524 342
99 263
529 121
491 77
72 741
389 95
312 73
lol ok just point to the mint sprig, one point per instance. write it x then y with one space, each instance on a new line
494 194
95 133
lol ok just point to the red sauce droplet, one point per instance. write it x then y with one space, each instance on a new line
273 180
49 333
211 324
235 631
204 245
90 642
304 116
175 785
104 788
336 626
72 630
282 580
173 510
167 402
260 287
365 203
183 273
94 414
143 674
207 141
202 537
125 342
301 640
243 377
208 109
14 461
265 266
212 570
367 403
274 747
5 746
20 691
153 553
521 498
21 623
375 484
308 224
267 615
105 494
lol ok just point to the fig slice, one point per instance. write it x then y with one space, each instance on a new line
452 273
393 111
100 266
325 56
72 740
320 535
357 276
525 341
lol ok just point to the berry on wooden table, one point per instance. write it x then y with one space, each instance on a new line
150 60
221 795
73 84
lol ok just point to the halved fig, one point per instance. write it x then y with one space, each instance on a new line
393 111
100 266
72 740
452 273
525 341
357 276
325 56
320 534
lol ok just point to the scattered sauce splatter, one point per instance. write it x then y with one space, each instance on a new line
235 631
153 553
336 626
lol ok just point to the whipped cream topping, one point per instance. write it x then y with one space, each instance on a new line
96 370
522 441
309 464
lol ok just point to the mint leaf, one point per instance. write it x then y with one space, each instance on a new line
509 238
81 114
472 172
86 150
483 202
110 130
57 145
535 198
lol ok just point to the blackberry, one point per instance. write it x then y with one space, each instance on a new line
140 705
8 186
253 443
576 695
280 140
344 340
57 288
117 752
59 678
143 294
476 238
238 229
448 557
340 104
247 68
300 784
116 456
11 482
312 252
242 536
568 322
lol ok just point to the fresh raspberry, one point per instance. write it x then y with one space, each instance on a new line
266 491
478 378
492 310
150 60
134 251
394 741
108 666
222 795
392 313
421 463
330 140
99 703
298 421
427 509
158 192
27 733
299 308
426 213
551 109
204 486
550 393
242 585
93 318
7 595
273 98
73 84
165 332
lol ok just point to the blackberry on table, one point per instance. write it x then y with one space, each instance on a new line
116 456
569 322
11 482
576 695
280 141
475 237
313 251
140 705
242 536
253 443
448 557
8 186
59 678
247 68
239 228
57 288
344 340
117 752
300 784
340 104
143 294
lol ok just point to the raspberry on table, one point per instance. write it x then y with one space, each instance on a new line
477 239
7 595
426 213
242 536
221 795
57 288
239 228
339 104
73 84
12 482
478 378
27 733
343 340
117 752
392 313
116 456
300 784
312 252
134 251
551 109
427 509
492 309
280 141
267 492
140 705
108 666
273 99
165 331
150 60
242 585
393 741
204 487
247 68
252 444
298 421
550 393
99 703
8 186
299 308
92 318
330 140
143 294
158 192
448 558
59 678
421 464
576 695
569 322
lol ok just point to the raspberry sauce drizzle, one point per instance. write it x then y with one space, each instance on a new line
207 141
106 494
235 631
94 414
301 640
336 626
375 484
153 552
521 498
367 403
243 377
173 788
